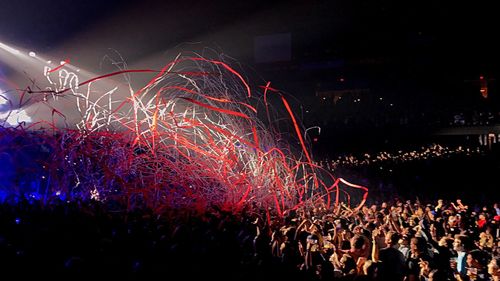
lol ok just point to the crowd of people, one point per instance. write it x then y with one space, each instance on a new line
396 240
431 151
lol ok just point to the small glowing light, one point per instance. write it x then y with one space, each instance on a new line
381 98
324 98
18 220
62 62
341 79
391 104
94 194
58 193
481 77
32 54
49 61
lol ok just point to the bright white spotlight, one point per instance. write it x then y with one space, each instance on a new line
15 117
3 100
9 49
32 54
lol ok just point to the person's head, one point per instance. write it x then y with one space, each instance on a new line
380 217
405 240
357 242
461 243
413 221
418 245
494 266
392 238
358 230
477 259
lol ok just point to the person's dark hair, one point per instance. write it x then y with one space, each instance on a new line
394 238
420 243
465 241
359 241
481 256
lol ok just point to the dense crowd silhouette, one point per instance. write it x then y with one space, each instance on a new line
393 240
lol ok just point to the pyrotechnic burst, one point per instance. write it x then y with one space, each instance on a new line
190 137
